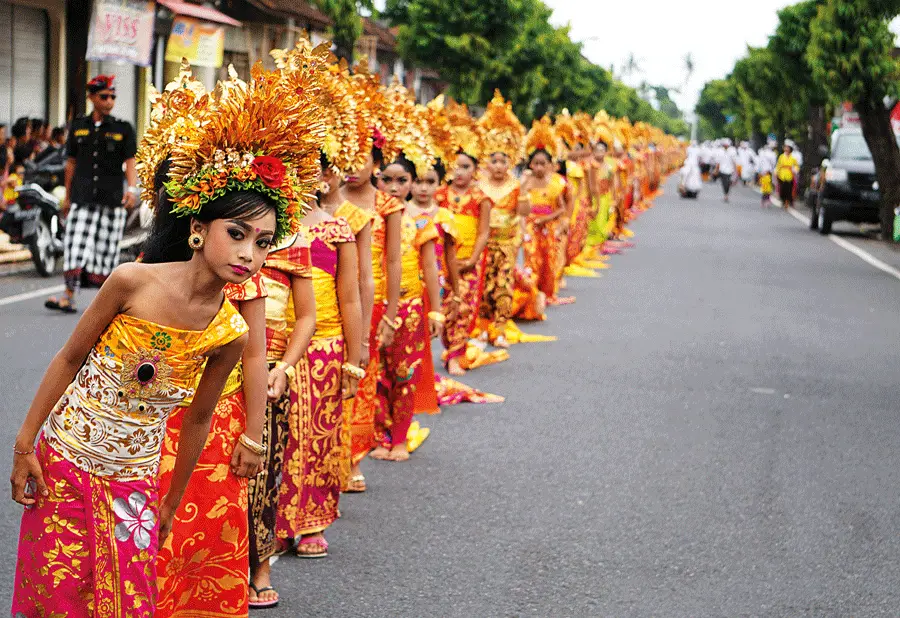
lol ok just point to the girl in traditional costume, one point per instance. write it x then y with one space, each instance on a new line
94 519
504 143
217 584
546 190
329 371
402 361
471 210
387 213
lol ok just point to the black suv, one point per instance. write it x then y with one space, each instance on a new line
847 189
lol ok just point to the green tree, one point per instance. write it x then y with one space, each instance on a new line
347 23
851 55
460 40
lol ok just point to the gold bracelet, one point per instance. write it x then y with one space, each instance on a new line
388 323
252 445
456 299
283 366
437 316
356 372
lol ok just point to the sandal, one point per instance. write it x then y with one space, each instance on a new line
357 485
53 303
263 604
317 547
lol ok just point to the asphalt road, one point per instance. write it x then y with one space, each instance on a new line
714 434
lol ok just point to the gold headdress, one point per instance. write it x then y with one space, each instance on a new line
566 132
542 137
263 135
410 135
502 130
348 123
173 114
585 126
603 130
440 131
373 97
467 135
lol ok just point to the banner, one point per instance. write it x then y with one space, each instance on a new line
201 42
122 30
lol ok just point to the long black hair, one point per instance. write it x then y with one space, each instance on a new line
168 238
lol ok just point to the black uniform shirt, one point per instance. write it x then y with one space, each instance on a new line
99 152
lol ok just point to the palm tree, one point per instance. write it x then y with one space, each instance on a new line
631 66
688 67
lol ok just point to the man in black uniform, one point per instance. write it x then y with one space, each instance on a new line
98 148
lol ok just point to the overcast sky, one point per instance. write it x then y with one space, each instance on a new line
660 33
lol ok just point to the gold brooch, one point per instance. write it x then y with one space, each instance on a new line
145 373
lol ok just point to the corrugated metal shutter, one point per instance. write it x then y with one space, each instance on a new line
23 62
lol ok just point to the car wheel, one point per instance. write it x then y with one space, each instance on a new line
813 217
824 221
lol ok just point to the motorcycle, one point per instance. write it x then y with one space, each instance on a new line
35 219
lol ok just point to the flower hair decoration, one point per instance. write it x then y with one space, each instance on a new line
503 132
263 136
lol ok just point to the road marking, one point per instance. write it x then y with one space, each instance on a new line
857 251
8 300
763 391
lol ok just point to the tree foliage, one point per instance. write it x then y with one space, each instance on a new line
478 46
347 23
851 55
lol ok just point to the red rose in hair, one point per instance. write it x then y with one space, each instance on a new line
378 139
270 170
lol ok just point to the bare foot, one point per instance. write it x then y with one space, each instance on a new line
380 453
454 368
262 580
501 342
399 453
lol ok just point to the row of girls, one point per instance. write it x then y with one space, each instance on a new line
314 232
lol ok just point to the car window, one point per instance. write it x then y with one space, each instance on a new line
853 146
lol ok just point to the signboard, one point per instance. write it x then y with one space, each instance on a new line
121 30
201 42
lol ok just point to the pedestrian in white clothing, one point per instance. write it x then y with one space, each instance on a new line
726 166
747 163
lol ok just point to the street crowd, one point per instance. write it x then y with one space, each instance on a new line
314 232
722 162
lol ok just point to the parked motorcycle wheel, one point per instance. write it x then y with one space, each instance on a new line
42 251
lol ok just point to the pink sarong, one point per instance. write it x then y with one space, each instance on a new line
87 550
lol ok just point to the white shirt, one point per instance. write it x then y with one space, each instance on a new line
726 159
765 162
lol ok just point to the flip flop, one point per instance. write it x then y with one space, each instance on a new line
54 304
263 604
316 541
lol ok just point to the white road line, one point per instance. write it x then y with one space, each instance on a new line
8 300
858 252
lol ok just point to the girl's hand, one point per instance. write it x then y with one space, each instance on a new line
364 357
563 227
166 516
349 384
435 327
27 478
526 182
245 463
466 265
385 335
452 312
277 384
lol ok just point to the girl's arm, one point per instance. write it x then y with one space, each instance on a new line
195 426
484 231
348 300
245 462
428 262
393 272
366 288
452 276
109 302
304 328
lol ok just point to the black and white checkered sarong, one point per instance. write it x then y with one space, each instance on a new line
93 234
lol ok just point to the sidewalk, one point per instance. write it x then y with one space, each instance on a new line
10 252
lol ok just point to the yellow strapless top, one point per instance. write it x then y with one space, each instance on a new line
415 232
111 420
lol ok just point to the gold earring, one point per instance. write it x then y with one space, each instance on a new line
196 242
324 188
